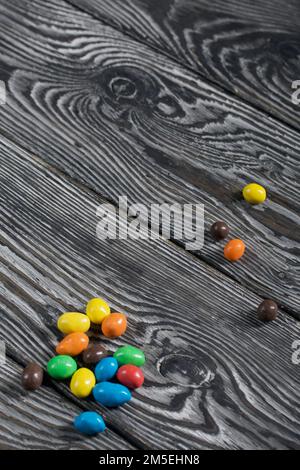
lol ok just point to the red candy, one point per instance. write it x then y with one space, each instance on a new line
130 376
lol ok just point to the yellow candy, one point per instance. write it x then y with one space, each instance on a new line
73 322
254 193
97 310
82 383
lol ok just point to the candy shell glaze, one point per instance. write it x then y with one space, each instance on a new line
111 395
82 383
89 423
94 353
234 250
114 325
32 377
106 369
73 344
61 367
267 310
254 193
130 355
73 322
219 230
130 376
97 310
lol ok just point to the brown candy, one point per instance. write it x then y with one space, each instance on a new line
94 354
219 230
267 311
32 377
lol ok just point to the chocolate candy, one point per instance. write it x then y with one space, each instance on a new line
254 193
32 377
234 250
106 369
110 394
73 322
89 423
130 376
97 310
61 367
114 325
94 353
73 344
130 355
267 310
219 230
82 383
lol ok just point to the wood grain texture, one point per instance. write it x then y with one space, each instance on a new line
250 48
127 121
215 377
43 420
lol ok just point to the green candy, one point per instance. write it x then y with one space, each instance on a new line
61 367
130 355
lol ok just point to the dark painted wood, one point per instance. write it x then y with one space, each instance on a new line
215 377
125 120
43 420
251 48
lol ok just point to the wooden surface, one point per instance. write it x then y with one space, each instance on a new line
124 120
28 420
93 114
251 48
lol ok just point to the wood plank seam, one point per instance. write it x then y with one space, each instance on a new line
97 196
240 362
159 173
191 69
68 396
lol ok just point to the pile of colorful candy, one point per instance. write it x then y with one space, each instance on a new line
114 375
235 249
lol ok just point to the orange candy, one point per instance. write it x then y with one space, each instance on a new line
114 325
73 344
234 250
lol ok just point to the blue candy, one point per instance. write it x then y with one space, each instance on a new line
89 423
106 369
110 394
